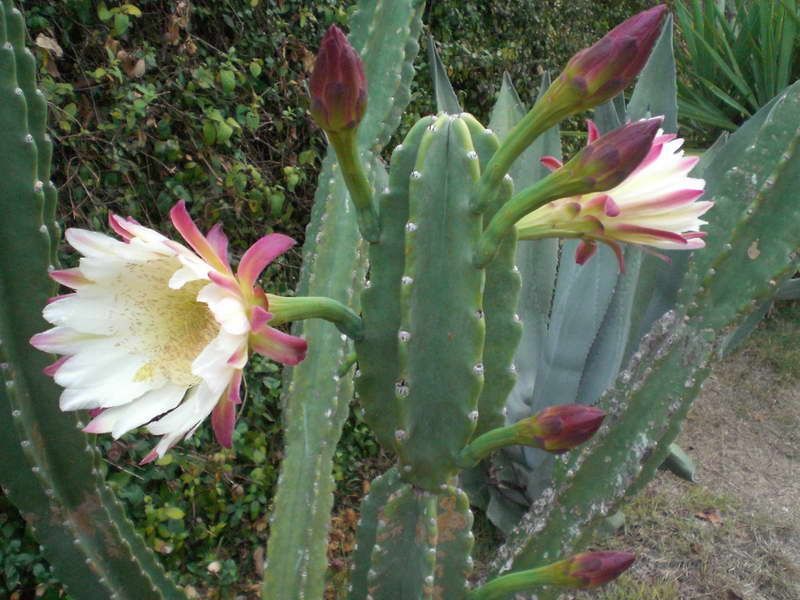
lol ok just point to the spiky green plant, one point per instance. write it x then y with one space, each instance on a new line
736 56
433 350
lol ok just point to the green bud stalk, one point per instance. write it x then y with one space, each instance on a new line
285 309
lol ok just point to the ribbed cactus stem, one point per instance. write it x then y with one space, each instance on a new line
345 145
286 309
555 186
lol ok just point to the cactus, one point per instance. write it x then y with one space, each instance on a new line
428 254
50 469
317 397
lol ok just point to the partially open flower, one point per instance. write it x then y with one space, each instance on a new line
655 206
158 334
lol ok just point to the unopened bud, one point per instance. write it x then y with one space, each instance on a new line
558 429
590 569
611 158
338 85
600 72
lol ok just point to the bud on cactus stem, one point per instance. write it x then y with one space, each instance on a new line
582 571
345 146
555 429
591 77
285 309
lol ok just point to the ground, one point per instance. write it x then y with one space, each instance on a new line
735 534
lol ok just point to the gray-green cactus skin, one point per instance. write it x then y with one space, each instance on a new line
443 356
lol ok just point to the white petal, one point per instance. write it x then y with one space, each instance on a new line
88 313
199 403
143 410
212 363
228 310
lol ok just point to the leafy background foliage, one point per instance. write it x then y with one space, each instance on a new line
152 101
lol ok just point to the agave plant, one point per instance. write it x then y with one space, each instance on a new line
408 301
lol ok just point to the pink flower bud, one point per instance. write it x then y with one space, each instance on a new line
591 569
558 429
338 85
602 71
607 162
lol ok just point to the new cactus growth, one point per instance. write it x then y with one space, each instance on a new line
409 297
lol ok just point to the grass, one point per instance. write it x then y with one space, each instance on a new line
775 341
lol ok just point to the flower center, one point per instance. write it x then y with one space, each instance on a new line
170 328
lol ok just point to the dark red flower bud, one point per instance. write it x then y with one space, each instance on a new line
558 429
602 71
607 162
338 85
591 569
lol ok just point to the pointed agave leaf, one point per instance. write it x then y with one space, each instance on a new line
446 99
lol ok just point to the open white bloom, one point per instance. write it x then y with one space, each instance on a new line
655 206
155 333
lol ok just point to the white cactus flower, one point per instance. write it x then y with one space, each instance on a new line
157 334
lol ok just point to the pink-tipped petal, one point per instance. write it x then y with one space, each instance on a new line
551 163
279 346
592 132
71 278
50 370
117 224
673 199
219 241
223 421
617 249
58 297
259 318
152 456
226 282
610 207
585 251
189 231
658 234
650 158
235 388
239 358
260 254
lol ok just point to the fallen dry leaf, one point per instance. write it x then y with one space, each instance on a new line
711 515
50 44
